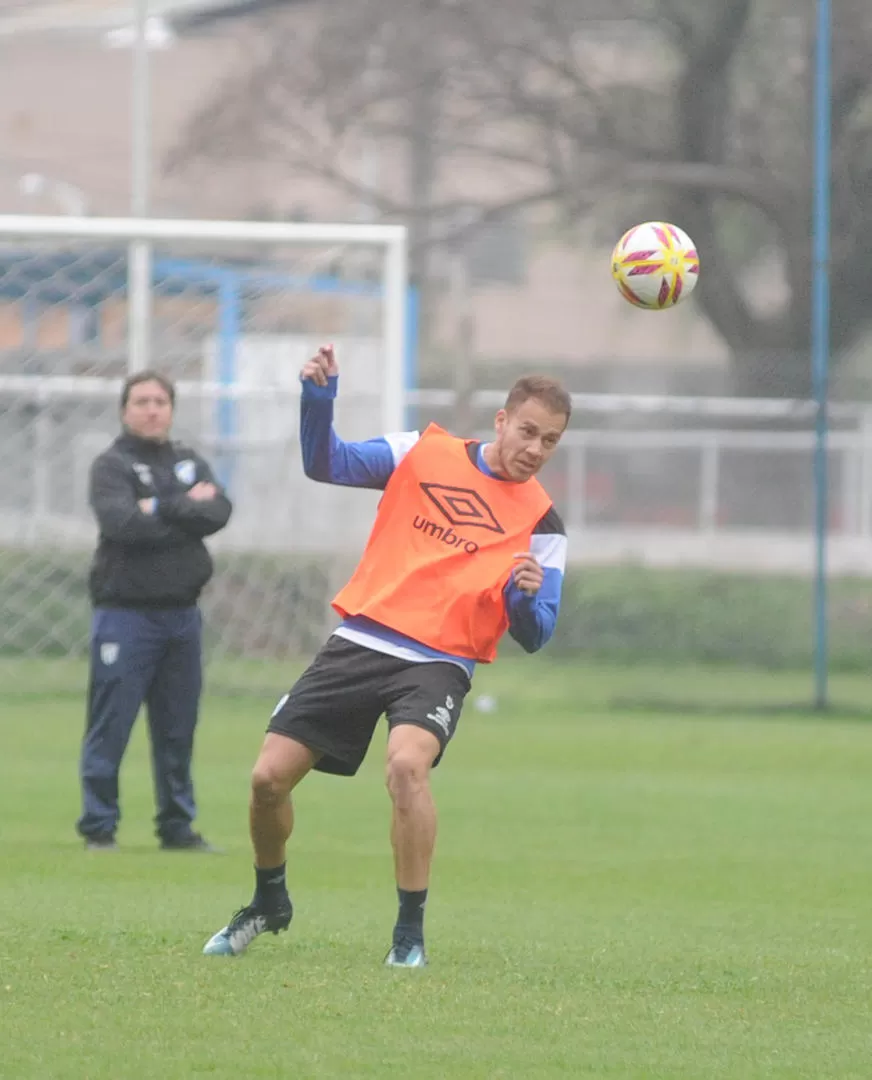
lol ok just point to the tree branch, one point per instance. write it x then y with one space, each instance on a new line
511 87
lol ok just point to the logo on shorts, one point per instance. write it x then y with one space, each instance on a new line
441 715
109 652
186 471
279 706
462 507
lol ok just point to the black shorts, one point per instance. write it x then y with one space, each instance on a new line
334 706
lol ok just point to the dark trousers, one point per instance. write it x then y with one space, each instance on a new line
141 656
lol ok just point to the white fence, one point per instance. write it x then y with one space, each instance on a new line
708 482
52 429
724 499
718 497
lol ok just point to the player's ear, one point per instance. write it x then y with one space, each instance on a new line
500 421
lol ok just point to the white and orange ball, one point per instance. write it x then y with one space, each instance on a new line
655 265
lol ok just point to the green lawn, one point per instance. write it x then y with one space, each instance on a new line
620 892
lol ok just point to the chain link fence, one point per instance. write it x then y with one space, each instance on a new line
232 324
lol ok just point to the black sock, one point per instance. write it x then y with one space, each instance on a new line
410 920
271 891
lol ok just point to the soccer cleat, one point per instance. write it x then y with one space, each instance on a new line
190 842
247 924
406 953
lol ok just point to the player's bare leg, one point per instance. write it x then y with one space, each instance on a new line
411 753
281 765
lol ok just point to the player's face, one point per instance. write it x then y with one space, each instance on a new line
526 438
148 412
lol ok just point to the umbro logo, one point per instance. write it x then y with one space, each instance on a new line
462 507
445 535
441 715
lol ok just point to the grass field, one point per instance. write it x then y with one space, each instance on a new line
620 892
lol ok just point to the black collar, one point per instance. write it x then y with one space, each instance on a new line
137 445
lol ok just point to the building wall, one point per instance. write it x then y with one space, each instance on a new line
65 112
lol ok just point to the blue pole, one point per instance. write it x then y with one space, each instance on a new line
413 305
820 334
229 322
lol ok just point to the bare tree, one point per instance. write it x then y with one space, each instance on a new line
698 109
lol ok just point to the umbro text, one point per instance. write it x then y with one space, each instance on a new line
445 535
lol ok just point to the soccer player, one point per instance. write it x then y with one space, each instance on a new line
466 545
154 500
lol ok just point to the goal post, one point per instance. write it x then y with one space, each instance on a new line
236 308
391 239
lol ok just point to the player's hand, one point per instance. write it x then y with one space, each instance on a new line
527 574
202 491
321 366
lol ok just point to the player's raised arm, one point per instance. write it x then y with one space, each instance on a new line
326 457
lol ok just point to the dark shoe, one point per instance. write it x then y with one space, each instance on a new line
190 842
247 924
105 842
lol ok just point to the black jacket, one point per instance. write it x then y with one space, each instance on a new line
154 560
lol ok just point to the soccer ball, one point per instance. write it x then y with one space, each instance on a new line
655 265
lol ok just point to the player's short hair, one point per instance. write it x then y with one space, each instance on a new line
543 388
147 375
